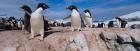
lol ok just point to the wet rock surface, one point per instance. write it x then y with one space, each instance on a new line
62 39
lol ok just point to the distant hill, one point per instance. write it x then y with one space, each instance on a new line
132 18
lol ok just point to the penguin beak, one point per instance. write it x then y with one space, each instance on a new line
22 9
48 7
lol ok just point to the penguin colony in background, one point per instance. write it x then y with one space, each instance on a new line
88 18
75 18
101 25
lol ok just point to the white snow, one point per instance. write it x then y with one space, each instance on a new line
128 16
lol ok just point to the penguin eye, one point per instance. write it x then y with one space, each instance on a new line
44 5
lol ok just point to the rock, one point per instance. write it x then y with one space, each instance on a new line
10 49
127 47
81 42
72 47
136 39
124 38
89 40
135 26
112 45
108 36
138 48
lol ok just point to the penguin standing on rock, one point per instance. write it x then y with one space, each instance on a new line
37 21
118 22
75 18
103 25
27 16
121 23
110 24
88 18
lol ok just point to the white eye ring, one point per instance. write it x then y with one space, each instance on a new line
43 5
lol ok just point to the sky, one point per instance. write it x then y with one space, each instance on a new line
100 9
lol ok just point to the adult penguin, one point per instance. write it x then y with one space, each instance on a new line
88 18
37 21
118 22
75 18
27 16
110 24
103 25
121 22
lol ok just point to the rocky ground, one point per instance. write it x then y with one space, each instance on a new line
62 39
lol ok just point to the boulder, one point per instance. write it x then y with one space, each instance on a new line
127 47
135 26
124 38
138 48
66 40
112 45
108 36
136 39
10 49
81 42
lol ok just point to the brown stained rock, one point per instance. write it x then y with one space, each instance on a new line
81 42
10 49
59 40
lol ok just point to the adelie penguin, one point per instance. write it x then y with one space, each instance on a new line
118 22
75 18
27 17
88 18
110 24
37 21
121 23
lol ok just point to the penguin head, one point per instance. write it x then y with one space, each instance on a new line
87 10
26 7
43 6
120 19
117 17
71 7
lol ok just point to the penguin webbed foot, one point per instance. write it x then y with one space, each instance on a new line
31 37
41 38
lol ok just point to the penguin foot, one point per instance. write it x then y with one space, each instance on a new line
80 30
72 30
31 38
41 39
